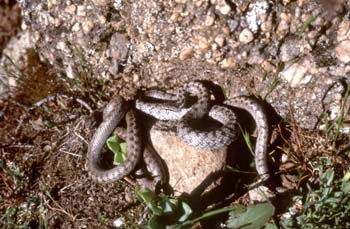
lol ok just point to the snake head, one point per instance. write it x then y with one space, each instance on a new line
114 105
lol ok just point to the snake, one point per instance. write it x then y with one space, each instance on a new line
215 138
174 106
113 113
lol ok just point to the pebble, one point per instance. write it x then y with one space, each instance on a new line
12 82
290 49
186 53
343 32
229 62
210 18
119 222
136 78
342 51
81 11
232 24
47 148
260 194
253 17
297 73
87 26
246 36
76 27
100 2
203 43
220 40
70 9
223 7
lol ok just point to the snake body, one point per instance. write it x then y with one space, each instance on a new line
259 115
174 106
112 115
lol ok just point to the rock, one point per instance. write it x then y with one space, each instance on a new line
246 36
232 24
229 62
188 166
220 40
342 51
343 32
290 49
203 43
260 194
186 53
223 7
255 14
296 74
100 2
209 20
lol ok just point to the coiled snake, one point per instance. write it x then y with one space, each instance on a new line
174 106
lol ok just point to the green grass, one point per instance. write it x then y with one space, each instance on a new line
176 213
325 205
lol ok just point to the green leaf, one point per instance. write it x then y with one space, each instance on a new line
149 198
153 223
118 148
187 212
270 226
253 216
345 186
168 206
330 176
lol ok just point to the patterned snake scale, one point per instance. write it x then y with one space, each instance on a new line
113 113
173 106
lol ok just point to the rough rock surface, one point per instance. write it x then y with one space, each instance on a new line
188 166
255 38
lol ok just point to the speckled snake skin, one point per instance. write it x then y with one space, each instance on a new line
174 106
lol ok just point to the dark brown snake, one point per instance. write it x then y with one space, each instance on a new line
116 110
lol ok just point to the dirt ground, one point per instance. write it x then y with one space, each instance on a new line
43 145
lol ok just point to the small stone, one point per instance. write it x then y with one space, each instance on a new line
81 11
203 43
257 12
246 36
342 51
223 7
232 24
47 148
198 3
136 78
209 20
186 53
100 2
174 17
343 32
70 9
76 27
119 222
220 40
267 66
229 62
290 49
102 19
12 82
296 74
87 26
266 26
285 2
260 194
